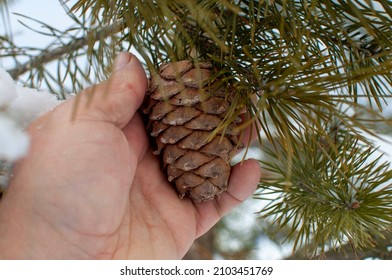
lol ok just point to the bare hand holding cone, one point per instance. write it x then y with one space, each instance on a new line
91 187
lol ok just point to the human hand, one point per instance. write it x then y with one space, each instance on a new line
90 187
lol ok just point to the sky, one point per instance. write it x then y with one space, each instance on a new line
20 12
48 11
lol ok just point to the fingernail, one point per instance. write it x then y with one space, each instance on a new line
121 60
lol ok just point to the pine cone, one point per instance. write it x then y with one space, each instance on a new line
185 106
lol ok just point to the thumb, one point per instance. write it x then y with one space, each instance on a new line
117 99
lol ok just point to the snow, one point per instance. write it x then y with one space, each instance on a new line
30 104
14 142
19 106
7 89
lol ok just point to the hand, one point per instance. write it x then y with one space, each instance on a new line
90 187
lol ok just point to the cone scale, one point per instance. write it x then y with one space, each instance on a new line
185 106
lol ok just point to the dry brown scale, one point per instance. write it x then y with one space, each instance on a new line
185 106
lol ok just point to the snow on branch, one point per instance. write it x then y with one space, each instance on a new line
19 106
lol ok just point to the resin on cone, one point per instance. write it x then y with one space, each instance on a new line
185 107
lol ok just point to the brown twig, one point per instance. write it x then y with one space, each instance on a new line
51 55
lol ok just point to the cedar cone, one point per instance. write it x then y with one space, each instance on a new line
185 105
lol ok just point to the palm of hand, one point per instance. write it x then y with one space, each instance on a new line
139 218
146 219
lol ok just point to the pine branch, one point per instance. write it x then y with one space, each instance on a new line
48 56
347 252
330 189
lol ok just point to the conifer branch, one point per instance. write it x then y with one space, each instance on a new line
347 252
53 54
331 194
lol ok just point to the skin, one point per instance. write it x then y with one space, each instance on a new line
90 187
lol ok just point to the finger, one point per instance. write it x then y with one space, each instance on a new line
117 99
137 137
243 183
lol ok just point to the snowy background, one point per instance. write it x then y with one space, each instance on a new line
20 105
